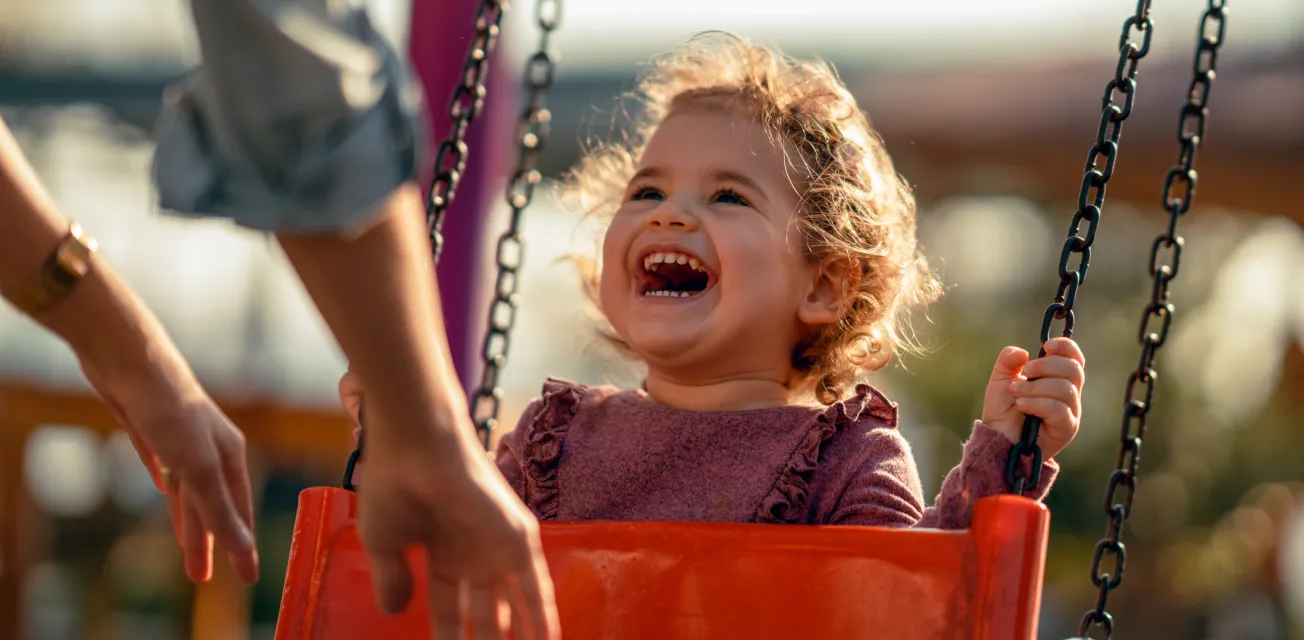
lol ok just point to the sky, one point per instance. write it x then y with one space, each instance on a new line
907 31
607 34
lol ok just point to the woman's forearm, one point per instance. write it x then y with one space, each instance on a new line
100 318
376 289
30 226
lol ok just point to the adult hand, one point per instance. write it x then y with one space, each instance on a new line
486 565
196 457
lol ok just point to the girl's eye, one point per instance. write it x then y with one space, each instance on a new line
729 196
647 193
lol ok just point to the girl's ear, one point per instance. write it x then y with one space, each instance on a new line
351 398
834 280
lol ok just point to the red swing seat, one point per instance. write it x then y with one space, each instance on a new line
681 581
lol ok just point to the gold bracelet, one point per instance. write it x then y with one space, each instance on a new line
67 264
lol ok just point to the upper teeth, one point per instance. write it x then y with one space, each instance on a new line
670 257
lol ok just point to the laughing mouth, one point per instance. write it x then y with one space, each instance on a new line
673 274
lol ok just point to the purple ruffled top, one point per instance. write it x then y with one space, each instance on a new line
599 453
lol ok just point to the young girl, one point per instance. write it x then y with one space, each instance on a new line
761 254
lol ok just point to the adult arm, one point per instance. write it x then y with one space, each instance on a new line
427 480
302 121
133 365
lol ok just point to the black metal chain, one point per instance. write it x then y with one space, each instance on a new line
540 71
467 102
1165 257
1099 168
355 457
533 130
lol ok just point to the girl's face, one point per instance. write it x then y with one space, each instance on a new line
703 272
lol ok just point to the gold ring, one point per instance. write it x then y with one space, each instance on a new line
166 477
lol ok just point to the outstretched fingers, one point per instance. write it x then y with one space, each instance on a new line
197 542
210 494
483 610
236 472
445 609
529 594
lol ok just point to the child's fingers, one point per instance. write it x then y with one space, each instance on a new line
1067 348
1009 363
1051 411
1051 388
1057 367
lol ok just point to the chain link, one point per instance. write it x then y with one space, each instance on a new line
467 102
1091 198
1165 257
468 99
540 70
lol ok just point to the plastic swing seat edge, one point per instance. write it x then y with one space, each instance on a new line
699 580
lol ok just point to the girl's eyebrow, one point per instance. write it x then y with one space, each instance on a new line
647 172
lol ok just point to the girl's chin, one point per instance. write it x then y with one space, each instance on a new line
667 349
668 343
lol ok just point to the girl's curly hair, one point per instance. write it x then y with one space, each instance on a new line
853 205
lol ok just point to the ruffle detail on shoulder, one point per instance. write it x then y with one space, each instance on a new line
541 448
786 501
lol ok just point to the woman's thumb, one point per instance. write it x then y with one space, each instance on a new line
393 581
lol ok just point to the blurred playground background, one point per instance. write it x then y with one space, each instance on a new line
988 108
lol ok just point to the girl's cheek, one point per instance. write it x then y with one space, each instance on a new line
613 245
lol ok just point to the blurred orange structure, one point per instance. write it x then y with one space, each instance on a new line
285 434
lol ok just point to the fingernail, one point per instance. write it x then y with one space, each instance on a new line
1016 387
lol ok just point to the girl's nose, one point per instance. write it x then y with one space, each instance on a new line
671 215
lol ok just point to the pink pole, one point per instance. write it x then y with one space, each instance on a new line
441 33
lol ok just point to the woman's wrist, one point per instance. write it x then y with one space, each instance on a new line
153 378
415 407
126 354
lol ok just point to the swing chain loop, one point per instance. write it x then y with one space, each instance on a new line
1126 480
1165 258
540 70
1109 150
1185 180
1142 9
548 14
1143 24
1108 580
1091 201
463 109
1168 267
1093 620
354 459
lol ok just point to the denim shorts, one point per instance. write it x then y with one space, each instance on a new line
299 118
